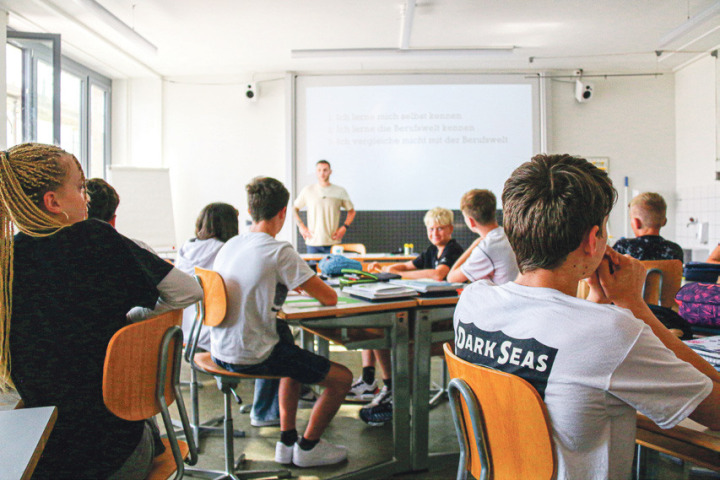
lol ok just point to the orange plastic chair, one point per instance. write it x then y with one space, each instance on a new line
353 247
141 378
211 313
662 282
502 424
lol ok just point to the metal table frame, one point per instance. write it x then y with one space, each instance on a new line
394 319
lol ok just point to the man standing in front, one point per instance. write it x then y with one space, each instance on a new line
323 201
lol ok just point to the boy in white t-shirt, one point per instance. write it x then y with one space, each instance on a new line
259 271
593 363
490 256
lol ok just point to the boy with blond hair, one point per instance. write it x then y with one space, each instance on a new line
490 256
647 217
442 253
434 264
594 362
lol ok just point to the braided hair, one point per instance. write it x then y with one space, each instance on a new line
27 172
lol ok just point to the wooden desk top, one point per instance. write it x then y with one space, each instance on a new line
23 434
689 441
687 431
368 257
293 309
437 301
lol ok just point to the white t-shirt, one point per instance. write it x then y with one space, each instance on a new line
197 253
492 258
593 364
323 211
258 272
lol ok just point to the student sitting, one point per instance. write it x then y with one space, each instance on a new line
259 271
436 261
490 256
103 201
647 217
434 264
593 363
67 286
216 224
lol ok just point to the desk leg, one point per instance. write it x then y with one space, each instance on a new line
401 390
421 389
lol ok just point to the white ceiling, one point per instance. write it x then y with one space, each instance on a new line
241 37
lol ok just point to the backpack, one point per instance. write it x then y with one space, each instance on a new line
700 303
701 272
332 265
672 321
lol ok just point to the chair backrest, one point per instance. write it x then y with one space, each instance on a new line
214 302
131 367
508 416
354 247
662 281
141 376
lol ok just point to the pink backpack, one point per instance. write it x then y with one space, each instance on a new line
700 303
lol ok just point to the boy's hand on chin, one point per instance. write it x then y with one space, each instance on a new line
621 277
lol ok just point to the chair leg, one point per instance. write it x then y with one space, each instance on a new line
232 471
440 390
208 427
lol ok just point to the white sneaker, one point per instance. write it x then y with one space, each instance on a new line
324 453
283 453
361 391
264 423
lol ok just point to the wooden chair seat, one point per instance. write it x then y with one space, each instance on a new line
164 465
204 361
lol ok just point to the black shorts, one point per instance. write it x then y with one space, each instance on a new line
286 360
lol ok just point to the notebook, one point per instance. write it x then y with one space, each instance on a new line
379 291
429 286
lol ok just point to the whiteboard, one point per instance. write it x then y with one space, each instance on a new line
413 142
145 211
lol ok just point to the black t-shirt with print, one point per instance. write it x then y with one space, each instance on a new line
649 247
429 258
71 292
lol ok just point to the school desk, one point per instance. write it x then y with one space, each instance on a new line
357 324
363 325
432 326
688 441
23 434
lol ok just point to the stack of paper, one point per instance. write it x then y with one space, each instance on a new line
379 291
429 286
707 347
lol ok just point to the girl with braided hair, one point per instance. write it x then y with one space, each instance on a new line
67 285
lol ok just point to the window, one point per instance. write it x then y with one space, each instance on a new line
53 99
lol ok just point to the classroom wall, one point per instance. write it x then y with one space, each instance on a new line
697 128
137 121
629 120
215 141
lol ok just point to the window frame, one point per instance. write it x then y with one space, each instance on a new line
88 79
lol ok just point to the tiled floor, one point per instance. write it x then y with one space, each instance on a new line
367 445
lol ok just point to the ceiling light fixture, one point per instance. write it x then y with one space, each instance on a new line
689 27
118 25
401 52
404 50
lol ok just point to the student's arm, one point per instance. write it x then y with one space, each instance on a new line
438 274
319 290
623 287
456 274
397 267
714 256
304 231
177 290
